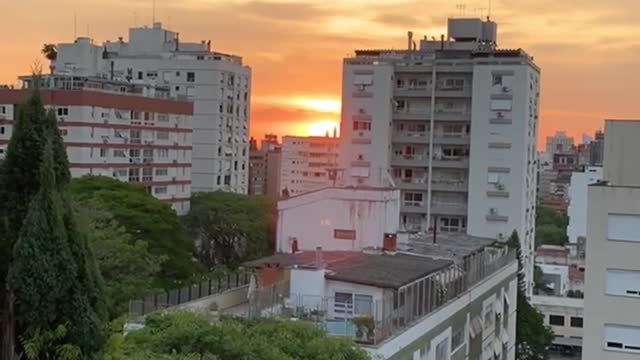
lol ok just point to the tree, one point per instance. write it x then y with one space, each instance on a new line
129 270
533 338
185 335
58 294
231 228
50 52
19 182
551 227
144 218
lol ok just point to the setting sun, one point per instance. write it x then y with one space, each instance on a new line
321 128
320 105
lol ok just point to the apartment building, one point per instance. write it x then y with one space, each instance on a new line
264 166
565 316
307 163
578 204
612 299
218 84
454 125
132 133
559 143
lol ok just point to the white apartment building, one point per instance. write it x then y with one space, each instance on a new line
612 296
307 163
559 143
218 84
577 211
132 133
454 125
565 316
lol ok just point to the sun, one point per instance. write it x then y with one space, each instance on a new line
325 105
322 127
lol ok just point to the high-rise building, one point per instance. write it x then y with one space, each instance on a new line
559 143
264 166
126 131
596 149
218 84
577 211
612 299
453 124
307 163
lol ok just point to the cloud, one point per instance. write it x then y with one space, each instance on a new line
398 20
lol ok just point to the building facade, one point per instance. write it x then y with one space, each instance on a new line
559 143
218 84
612 319
264 166
578 204
452 124
565 316
129 132
307 163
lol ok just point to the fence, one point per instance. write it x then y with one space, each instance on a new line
371 321
141 307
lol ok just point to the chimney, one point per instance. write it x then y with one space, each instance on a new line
390 242
319 261
409 40
441 41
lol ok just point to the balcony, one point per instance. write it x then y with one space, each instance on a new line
452 185
412 92
451 163
451 115
406 115
453 92
451 139
417 160
409 137
414 183
410 207
445 208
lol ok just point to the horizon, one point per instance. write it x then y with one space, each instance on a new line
297 75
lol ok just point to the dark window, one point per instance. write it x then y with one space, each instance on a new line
191 76
139 75
576 322
2 130
556 320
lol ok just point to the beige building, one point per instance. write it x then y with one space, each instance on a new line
306 162
264 166
612 288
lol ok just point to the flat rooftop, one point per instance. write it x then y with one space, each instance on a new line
450 246
381 270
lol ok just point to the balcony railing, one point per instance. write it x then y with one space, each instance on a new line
416 160
372 322
447 208
413 137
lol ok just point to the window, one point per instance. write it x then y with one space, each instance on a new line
1 130
119 153
139 75
120 172
488 317
623 227
103 152
442 350
162 172
218 180
343 303
3 109
361 125
556 320
63 111
412 199
622 338
452 224
457 339
576 322
344 234
191 76
363 80
501 105
160 190
493 178
497 80
363 304
227 179
162 135
163 153
623 283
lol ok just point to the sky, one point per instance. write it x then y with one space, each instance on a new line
588 50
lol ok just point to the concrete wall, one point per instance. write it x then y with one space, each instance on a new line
312 218
224 300
577 211
604 254
621 147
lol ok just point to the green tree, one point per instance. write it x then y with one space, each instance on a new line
231 228
129 270
19 182
144 218
57 308
185 335
533 338
551 227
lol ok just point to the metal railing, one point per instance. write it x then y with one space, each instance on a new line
373 321
139 308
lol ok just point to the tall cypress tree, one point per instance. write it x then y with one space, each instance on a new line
21 179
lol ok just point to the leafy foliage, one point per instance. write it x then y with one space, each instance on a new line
551 227
231 228
185 335
144 218
128 268
50 51
533 338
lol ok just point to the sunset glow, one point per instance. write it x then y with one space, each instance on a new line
320 128
319 105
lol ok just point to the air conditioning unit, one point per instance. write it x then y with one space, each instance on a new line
500 236
361 111
493 211
506 89
500 186
500 115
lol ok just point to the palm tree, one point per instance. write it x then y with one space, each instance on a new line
51 53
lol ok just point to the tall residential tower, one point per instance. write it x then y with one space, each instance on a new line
453 123
219 86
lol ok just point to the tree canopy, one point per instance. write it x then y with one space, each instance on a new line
551 227
231 228
144 218
533 338
186 335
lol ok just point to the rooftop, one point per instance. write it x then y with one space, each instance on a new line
381 270
447 245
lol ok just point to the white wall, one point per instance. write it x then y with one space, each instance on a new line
577 211
562 271
313 217
308 286
560 306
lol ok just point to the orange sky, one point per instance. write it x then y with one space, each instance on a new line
589 50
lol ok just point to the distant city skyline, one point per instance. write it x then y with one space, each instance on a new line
296 48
